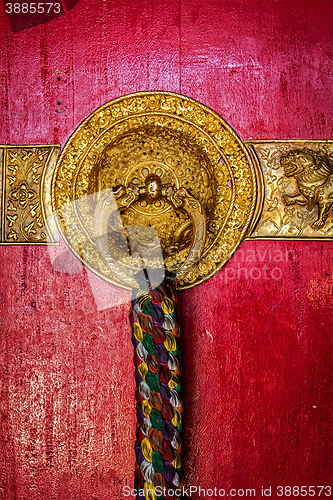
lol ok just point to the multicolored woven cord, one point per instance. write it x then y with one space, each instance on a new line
155 333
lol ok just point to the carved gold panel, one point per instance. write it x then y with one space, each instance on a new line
297 190
25 194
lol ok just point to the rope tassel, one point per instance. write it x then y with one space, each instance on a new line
155 335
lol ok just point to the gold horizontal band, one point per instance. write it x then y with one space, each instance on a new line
292 182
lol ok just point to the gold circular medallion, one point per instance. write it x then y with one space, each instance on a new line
154 144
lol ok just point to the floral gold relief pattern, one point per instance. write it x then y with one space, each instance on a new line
23 219
184 144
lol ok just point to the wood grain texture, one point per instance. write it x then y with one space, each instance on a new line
257 346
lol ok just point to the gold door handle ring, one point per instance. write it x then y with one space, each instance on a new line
123 197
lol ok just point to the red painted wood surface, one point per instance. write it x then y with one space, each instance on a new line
257 338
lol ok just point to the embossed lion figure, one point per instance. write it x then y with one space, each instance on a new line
314 176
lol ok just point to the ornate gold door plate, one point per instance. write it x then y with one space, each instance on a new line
187 147
173 166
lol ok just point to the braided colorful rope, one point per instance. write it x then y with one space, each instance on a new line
155 332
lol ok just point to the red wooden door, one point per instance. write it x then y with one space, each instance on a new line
257 373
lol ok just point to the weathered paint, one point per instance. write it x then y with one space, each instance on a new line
257 350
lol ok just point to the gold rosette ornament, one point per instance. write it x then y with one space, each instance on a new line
154 179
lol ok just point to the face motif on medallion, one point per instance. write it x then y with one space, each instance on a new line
153 188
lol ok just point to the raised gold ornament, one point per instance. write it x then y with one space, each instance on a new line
159 161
